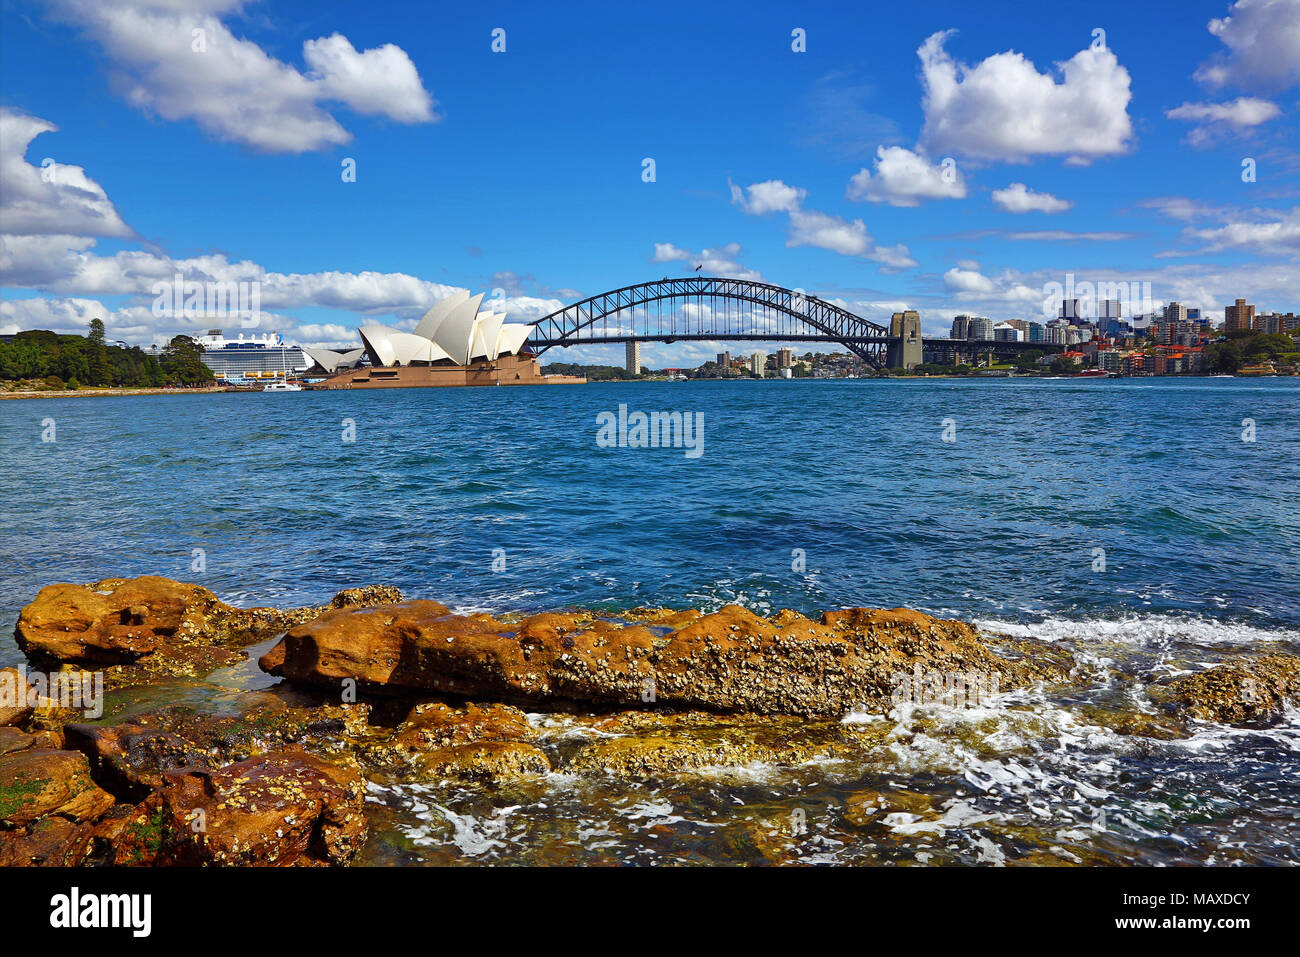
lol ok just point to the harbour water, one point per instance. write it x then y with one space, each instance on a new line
1147 526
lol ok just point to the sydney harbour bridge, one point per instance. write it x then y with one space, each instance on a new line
701 308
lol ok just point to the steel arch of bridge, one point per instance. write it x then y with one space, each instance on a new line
799 317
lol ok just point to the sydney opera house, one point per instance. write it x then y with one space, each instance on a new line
453 344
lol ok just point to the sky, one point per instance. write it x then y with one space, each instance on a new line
361 161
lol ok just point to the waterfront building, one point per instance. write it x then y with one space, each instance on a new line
1274 324
724 362
452 344
784 358
634 358
758 364
1238 316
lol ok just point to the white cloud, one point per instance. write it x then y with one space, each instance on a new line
1278 235
1004 109
378 82
1069 236
810 227
1241 112
49 198
231 87
906 178
1263 47
714 262
1216 119
1019 198
771 196
967 280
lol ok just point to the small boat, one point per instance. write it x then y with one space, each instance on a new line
282 387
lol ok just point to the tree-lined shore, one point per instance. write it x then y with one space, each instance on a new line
39 360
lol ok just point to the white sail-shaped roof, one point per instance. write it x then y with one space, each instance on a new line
377 341
487 328
428 325
408 348
332 361
512 337
455 334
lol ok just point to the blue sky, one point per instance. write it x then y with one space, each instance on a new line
522 170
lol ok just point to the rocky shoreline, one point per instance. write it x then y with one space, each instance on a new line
376 689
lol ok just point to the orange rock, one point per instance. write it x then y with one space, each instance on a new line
36 782
731 660
279 809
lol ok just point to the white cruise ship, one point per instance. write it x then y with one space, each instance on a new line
251 357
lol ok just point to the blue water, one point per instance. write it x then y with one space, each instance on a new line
1003 522
1200 532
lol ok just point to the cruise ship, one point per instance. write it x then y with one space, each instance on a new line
251 358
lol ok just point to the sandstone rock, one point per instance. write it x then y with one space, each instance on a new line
731 660
276 809
15 694
118 621
1252 692
36 782
642 744
366 597
12 739
472 743
487 762
133 756
50 842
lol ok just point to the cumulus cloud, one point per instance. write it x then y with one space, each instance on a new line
1019 198
967 280
179 61
1004 109
770 196
714 262
1280 234
1263 47
810 227
1216 119
51 198
906 178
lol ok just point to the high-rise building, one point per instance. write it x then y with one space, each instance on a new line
724 362
758 364
1035 332
1175 312
1005 332
980 328
784 358
960 327
634 358
1238 316
1070 310
1107 309
1274 323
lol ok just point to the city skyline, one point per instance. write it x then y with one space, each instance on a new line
882 160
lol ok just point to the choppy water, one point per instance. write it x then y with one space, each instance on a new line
1199 529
